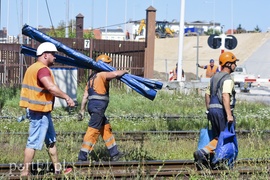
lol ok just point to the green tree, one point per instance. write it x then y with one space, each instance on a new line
88 35
60 31
240 30
211 31
257 29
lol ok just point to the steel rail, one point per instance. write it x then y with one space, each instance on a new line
166 116
142 135
166 168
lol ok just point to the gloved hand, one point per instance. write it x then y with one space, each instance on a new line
198 65
21 118
80 116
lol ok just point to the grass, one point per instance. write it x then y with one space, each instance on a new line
145 115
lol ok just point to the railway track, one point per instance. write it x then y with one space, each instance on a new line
182 169
143 135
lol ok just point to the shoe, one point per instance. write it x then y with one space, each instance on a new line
197 161
201 160
83 156
67 171
117 156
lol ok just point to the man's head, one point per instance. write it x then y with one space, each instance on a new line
212 62
46 53
228 59
104 58
46 47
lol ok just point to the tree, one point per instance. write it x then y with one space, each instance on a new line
88 35
211 31
257 29
60 31
240 30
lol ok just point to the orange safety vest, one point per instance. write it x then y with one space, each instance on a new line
175 73
211 71
33 96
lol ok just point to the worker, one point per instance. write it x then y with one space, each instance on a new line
219 101
174 77
211 69
97 95
127 35
37 96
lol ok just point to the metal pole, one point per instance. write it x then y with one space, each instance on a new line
181 40
232 16
106 19
125 18
21 42
7 20
92 15
197 56
0 13
37 14
67 18
166 70
214 17
21 23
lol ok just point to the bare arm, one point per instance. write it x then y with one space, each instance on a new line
84 101
207 100
115 74
54 90
200 66
226 103
207 97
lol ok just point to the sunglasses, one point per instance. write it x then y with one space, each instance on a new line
52 53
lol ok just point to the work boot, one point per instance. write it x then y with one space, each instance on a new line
201 159
117 156
83 156
65 171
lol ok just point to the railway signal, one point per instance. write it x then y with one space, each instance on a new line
222 41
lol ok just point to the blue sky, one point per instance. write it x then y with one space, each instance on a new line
99 13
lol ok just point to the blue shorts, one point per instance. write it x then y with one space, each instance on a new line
40 129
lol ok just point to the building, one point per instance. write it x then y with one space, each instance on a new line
112 34
196 26
3 35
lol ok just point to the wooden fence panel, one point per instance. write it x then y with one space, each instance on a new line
125 54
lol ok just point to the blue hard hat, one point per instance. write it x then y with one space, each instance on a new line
212 60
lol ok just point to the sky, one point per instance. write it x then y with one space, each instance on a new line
102 13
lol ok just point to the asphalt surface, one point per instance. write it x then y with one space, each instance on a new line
259 62
253 50
256 94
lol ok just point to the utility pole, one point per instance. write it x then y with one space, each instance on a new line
67 18
21 24
181 40
0 12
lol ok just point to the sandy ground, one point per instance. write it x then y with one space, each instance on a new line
166 53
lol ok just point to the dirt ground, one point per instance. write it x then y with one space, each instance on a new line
166 53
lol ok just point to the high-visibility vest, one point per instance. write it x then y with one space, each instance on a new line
33 96
98 88
211 71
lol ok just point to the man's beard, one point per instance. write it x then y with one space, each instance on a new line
51 63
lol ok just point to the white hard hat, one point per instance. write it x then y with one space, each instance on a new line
45 47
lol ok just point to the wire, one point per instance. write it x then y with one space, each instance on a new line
50 18
110 25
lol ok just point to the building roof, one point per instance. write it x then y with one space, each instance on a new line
112 30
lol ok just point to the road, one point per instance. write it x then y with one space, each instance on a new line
259 62
252 50
256 94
